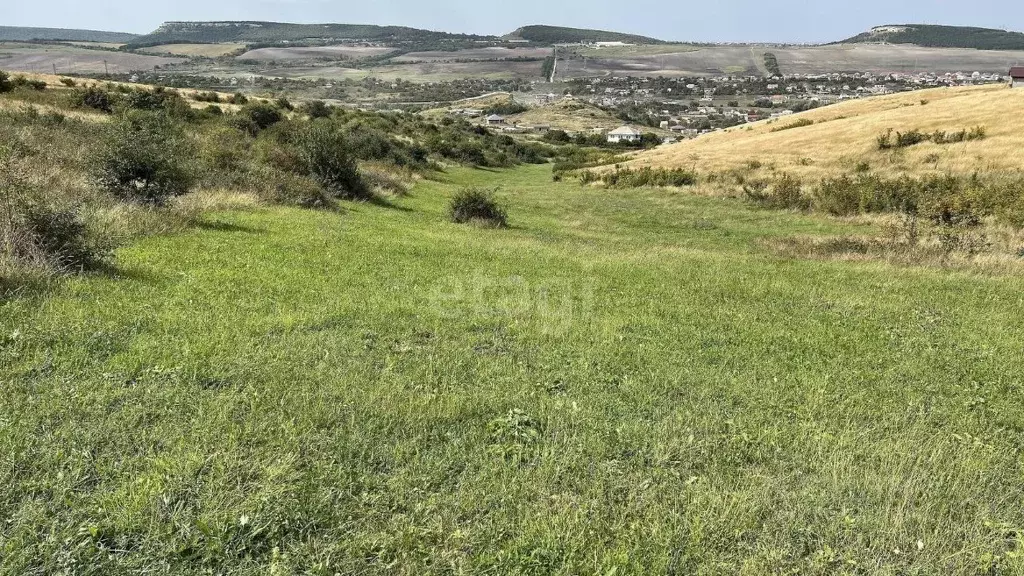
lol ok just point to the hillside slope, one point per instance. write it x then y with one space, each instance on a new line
259 32
22 34
845 135
563 35
942 37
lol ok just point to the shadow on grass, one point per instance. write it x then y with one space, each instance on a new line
218 226
385 203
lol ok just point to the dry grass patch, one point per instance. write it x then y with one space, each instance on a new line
844 136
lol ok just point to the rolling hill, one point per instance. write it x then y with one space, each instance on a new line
22 34
562 35
272 32
844 136
942 37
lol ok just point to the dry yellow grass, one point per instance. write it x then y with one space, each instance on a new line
192 50
844 135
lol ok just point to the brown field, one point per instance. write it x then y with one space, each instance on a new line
844 135
72 60
193 50
792 60
314 53
489 53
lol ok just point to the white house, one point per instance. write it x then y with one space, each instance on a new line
495 120
1017 77
624 134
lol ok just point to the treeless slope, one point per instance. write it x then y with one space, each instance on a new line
845 135
569 114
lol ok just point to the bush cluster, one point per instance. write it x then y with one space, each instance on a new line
640 178
326 158
802 122
785 192
943 200
477 205
890 140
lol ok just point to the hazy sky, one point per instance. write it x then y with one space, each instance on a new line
723 20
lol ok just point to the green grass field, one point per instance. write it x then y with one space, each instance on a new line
623 382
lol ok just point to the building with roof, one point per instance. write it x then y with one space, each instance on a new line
624 134
1017 76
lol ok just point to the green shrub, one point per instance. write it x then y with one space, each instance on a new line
23 82
648 177
140 159
96 99
238 98
5 82
212 97
326 158
69 82
316 109
802 122
284 104
784 192
262 115
477 205
36 235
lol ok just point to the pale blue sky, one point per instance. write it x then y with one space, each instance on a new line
724 20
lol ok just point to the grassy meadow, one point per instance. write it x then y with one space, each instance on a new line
621 382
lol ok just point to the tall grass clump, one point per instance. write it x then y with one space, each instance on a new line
477 205
40 234
141 159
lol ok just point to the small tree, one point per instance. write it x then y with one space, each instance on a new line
326 158
140 159
316 109
5 82
263 116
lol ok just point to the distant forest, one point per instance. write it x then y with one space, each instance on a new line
561 35
947 37
19 34
271 32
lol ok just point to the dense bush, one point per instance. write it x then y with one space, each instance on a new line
629 178
96 99
259 116
477 205
207 97
316 109
37 235
785 192
886 140
800 123
326 158
506 108
140 159
5 82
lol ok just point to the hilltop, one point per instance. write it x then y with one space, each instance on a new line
562 35
22 34
806 145
942 37
273 32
